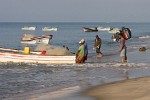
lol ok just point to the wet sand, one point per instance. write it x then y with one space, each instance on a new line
135 89
68 93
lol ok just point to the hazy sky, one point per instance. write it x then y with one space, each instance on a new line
74 10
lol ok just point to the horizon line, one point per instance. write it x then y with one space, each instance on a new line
70 22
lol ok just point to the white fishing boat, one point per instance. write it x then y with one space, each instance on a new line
49 29
29 28
17 50
103 28
32 40
114 30
35 58
85 29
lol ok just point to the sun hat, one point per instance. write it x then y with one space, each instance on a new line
82 40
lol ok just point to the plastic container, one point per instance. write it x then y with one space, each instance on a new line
26 50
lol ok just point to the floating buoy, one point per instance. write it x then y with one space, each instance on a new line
142 49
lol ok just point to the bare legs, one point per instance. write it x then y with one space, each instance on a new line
124 59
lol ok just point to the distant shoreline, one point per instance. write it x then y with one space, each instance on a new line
83 22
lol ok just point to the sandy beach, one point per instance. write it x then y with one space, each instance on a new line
135 89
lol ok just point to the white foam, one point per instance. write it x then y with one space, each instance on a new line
144 37
57 94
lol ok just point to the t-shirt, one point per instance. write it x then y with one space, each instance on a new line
81 49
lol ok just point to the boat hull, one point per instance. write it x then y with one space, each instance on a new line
36 41
40 59
44 39
49 29
29 28
90 29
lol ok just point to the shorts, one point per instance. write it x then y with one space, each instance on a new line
97 50
85 57
123 53
79 59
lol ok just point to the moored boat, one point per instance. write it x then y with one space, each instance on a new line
31 39
17 50
29 28
114 30
35 58
104 28
85 29
49 29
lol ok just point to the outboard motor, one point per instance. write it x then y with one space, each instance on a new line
126 33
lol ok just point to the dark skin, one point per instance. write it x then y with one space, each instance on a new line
124 58
97 43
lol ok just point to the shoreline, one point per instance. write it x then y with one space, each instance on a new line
133 89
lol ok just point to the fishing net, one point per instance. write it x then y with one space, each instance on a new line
53 50
27 36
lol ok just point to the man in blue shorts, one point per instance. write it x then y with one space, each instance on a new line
122 48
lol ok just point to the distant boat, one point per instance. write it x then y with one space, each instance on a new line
29 28
32 40
109 29
114 30
85 29
104 28
49 29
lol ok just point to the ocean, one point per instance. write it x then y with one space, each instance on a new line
16 79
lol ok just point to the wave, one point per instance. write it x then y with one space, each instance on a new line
70 66
144 37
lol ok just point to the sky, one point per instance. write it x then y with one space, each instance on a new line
74 11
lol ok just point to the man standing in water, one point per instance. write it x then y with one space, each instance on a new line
97 46
122 48
80 53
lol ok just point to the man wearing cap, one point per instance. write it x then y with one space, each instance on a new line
80 53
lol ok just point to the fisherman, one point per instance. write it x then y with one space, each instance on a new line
122 48
97 45
80 53
66 47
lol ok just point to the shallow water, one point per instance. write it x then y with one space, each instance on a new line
16 79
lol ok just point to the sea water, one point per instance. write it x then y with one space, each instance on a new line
23 78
